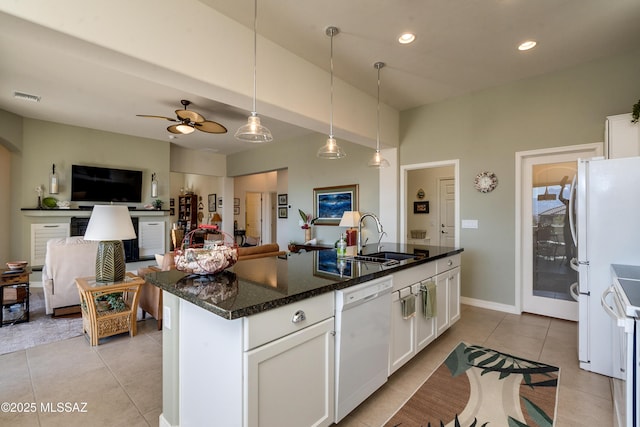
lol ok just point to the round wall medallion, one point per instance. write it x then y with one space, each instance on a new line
420 194
486 182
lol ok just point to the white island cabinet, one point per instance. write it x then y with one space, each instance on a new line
412 331
275 368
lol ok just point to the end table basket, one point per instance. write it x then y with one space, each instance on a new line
211 259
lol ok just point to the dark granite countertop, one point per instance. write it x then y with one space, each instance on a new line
257 285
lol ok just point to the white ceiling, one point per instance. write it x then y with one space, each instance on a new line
461 47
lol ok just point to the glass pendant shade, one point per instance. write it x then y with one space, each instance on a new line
253 131
331 150
378 161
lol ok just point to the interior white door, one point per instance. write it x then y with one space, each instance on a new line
447 205
546 245
253 216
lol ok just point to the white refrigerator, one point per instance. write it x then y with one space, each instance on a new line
607 226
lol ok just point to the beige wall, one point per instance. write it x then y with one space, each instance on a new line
485 130
45 143
5 208
305 172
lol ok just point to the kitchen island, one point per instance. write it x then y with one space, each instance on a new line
254 345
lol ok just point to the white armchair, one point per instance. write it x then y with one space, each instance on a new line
66 259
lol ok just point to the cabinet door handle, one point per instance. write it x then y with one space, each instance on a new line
450 263
298 317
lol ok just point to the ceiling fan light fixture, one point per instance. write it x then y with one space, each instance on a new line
331 150
184 129
378 161
253 131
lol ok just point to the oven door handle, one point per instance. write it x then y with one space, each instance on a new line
621 321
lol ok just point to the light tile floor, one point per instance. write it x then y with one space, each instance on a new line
120 380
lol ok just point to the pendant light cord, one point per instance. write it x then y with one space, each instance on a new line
255 52
378 66
331 90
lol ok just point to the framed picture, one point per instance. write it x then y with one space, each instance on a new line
212 202
220 202
283 212
236 201
172 211
172 202
329 203
236 210
421 207
282 199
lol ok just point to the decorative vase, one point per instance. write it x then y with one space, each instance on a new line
307 234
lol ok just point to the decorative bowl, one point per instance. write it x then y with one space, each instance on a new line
16 265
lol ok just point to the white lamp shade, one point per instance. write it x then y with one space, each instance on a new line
350 219
110 222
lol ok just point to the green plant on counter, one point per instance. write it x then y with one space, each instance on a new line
635 114
157 203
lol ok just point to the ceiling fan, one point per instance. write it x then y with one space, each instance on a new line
188 121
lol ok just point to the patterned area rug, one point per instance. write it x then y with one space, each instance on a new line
480 387
40 329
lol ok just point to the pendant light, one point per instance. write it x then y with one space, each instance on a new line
331 150
253 131
378 161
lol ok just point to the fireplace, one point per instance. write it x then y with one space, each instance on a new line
131 250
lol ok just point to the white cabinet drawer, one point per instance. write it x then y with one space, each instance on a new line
267 326
444 264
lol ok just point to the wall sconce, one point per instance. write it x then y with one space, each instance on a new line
154 185
53 181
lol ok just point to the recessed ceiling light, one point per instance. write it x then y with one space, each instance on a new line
26 96
529 44
406 38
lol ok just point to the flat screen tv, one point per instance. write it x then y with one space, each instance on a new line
96 184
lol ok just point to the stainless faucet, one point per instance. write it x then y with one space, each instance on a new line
378 224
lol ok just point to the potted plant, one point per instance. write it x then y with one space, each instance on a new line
157 203
306 223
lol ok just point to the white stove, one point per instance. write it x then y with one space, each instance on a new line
624 309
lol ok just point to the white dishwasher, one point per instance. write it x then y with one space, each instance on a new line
363 323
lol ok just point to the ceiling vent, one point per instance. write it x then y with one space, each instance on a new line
26 96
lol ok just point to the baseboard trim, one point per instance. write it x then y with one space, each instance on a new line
489 305
163 422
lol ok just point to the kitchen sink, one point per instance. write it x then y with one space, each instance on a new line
393 255
384 258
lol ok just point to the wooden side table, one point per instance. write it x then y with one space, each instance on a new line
104 323
14 290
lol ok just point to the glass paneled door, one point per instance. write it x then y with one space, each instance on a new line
545 232
552 244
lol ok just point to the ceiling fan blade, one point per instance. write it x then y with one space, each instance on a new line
156 117
189 115
210 127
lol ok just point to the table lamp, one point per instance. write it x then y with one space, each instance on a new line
351 219
110 225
